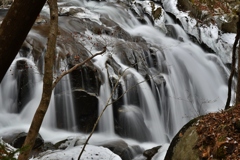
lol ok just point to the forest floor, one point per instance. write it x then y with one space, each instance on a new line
219 135
220 12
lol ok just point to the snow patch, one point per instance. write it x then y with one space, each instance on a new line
91 152
210 35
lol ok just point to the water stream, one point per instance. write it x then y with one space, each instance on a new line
185 82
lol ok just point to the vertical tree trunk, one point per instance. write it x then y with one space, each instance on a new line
238 71
233 70
47 83
14 29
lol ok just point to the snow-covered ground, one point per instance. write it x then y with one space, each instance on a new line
90 153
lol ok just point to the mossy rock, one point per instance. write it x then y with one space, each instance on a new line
182 145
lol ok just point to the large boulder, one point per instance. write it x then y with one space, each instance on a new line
212 136
183 143
16 139
121 148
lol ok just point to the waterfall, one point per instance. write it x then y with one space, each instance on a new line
186 68
35 81
9 94
188 75
150 109
148 104
64 106
106 122
166 79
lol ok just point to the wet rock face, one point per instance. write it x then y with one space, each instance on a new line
230 27
131 123
122 149
87 79
86 110
151 152
3 13
16 139
22 82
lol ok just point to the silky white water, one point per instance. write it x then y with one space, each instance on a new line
106 125
185 82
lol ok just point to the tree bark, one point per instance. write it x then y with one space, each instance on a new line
227 106
238 71
14 29
47 83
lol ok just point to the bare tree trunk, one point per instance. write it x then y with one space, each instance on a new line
227 106
47 83
238 76
14 29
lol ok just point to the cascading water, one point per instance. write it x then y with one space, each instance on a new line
185 67
64 105
147 104
106 122
8 91
165 78
188 75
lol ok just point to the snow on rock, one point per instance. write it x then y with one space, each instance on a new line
91 153
149 8
220 43
9 149
229 38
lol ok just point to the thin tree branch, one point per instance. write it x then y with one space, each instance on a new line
76 66
100 116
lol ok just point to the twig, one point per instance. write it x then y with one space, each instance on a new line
99 117
76 66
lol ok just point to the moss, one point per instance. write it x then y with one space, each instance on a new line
184 148
176 140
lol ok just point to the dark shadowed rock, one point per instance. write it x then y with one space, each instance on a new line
122 149
230 27
86 78
17 138
24 84
86 110
151 152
